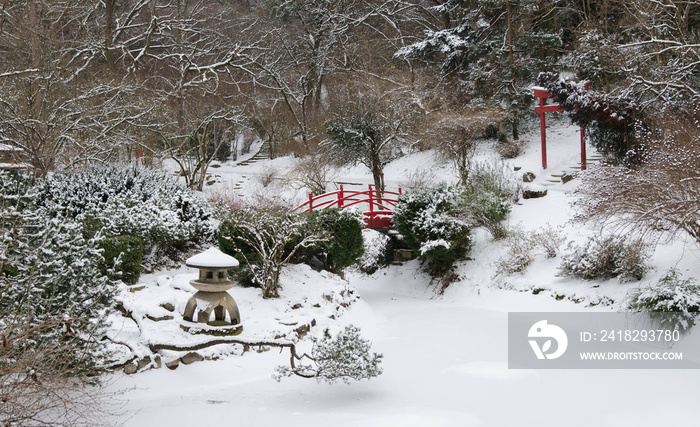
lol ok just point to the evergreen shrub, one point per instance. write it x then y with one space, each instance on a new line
118 200
432 223
122 258
675 299
378 251
604 258
345 245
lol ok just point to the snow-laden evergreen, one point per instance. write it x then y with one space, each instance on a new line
130 200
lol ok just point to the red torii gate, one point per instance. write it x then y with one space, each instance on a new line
380 204
543 94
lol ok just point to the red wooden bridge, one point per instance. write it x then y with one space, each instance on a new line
378 205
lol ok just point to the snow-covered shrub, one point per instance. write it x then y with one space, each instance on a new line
495 178
519 254
53 291
603 258
550 239
122 258
487 208
345 356
509 149
674 299
433 222
344 244
264 239
376 251
131 201
437 222
662 198
524 246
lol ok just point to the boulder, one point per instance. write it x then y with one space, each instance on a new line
534 192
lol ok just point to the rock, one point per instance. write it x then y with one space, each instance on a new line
296 306
168 306
191 357
401 255
173 364
142 363
315 263
159 319
566 178
528 177
302 330
534 193
130 368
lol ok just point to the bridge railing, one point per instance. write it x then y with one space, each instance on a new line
379 205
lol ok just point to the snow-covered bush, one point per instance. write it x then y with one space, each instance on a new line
264 239
487 208
495 178
523 247
550 239
603 258
345 356
433 222
519 254
675 300
131 201
437 222
122 258
662 198
53 291
344 245
376 251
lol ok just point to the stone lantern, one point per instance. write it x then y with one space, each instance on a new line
212 305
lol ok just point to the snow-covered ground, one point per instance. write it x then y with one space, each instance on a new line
445 356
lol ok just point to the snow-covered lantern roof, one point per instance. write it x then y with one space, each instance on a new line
212 265
212 300
212 258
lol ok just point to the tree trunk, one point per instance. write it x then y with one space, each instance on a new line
109 34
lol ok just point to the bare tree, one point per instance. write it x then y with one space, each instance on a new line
267 239
38 389
314 172
455 136
665 56
366 133
194 153
660 197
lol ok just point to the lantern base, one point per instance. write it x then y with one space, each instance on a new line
206 329
219 305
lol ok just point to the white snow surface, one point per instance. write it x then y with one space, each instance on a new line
445 356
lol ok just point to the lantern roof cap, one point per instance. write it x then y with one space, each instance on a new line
212 258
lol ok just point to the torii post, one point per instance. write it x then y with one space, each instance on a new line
543 94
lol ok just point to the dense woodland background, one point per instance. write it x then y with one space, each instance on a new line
93 81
